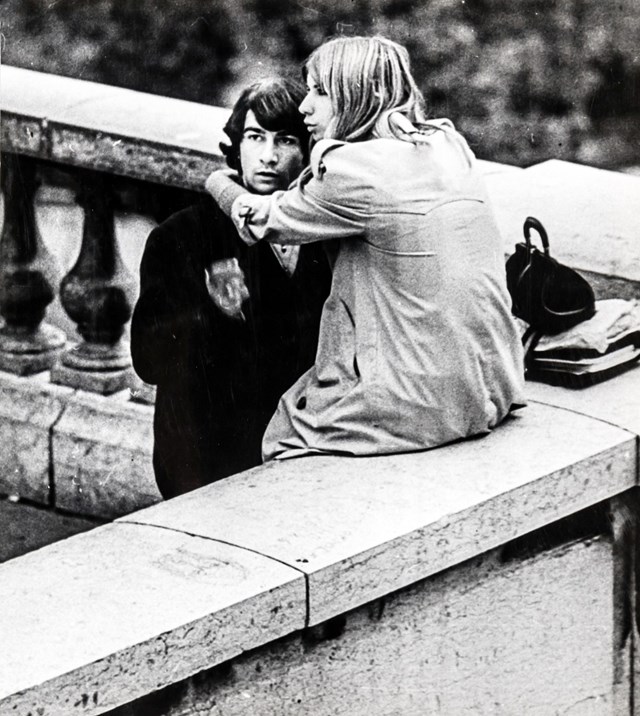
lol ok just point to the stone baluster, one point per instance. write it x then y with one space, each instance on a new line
98 294
28 275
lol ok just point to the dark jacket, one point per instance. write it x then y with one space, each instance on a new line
218 378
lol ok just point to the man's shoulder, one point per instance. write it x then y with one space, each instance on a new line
204 212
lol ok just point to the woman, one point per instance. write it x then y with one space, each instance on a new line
417 342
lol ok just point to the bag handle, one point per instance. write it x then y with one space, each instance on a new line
532 223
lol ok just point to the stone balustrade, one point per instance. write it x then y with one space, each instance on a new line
75 396
64 444
496 576
117 131
101 133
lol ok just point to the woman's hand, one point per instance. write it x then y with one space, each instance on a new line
250 212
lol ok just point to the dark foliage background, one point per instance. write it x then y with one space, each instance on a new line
525 80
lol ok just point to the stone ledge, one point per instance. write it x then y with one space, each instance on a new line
590 214
29 408
107 616
615 401
84 453
363 527
96 126
102 452
135 601
486 638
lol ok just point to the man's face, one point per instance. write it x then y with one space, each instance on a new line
269 160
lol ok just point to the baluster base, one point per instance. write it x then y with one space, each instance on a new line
141 392
26 353
96 368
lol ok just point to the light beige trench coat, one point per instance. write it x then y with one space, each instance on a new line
417 345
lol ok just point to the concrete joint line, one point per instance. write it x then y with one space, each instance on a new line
585 415
625 515
238 546
52 474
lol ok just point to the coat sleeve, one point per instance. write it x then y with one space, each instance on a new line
331 200
172 306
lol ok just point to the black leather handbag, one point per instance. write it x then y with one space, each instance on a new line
548 295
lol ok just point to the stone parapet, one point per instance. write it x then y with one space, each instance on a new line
358 527
79 452
461 560
488 637
129 609
102 456
590 215
29 409
110 129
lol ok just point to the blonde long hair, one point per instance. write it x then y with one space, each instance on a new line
372 90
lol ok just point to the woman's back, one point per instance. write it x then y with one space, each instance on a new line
417 345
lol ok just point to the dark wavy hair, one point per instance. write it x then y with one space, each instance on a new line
275 104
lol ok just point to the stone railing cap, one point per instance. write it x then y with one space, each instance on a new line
112 110
615 401
104 617
111 129
115 613
590 214
364 527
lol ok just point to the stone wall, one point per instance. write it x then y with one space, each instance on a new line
496 574
533 636
75 451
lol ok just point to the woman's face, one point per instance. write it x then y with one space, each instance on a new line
316 108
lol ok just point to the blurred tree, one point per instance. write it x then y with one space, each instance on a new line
525 80
179 49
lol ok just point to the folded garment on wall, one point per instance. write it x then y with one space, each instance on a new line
590 352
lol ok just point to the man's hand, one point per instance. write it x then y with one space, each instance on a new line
227 287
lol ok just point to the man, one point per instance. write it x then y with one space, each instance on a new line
223 329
